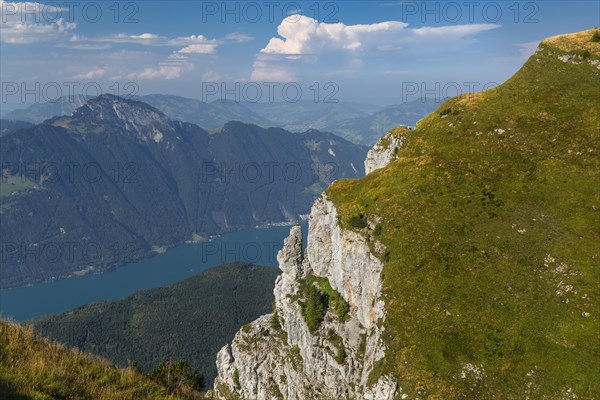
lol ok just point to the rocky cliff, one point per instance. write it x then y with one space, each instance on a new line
486 224
287 354
386 149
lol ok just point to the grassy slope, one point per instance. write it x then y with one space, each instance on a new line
190 320
35 368
493 237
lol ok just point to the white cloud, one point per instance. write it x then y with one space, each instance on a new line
149 39
196 44
305 35
239 37
193 39
162 72
172 68
452 32
205 48
176 59
85 46
193 44
93 74
265 70
306 40
30 22
143 36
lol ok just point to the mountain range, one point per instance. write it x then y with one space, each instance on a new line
345 119
118 179
358 123
464 265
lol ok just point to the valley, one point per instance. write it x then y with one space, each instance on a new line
257 245
118 181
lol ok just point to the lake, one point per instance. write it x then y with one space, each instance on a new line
257 245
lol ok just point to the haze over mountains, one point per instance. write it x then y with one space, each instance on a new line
10 125
122 178
359 123
40 112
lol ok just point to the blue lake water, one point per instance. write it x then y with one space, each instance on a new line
258 245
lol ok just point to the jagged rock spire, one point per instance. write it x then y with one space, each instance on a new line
290 256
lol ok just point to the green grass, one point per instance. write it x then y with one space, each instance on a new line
32 367
490 217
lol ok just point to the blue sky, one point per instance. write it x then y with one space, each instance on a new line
382 52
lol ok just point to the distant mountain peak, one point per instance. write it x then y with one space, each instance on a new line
238 126
119 105
110 113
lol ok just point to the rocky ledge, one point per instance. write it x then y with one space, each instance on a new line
386 149
322 340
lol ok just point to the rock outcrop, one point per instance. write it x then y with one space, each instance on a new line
279 356
386 149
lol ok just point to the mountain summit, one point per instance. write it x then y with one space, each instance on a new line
116 114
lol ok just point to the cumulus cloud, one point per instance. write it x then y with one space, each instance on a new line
205 48
195 44
30 22
305 40
305 35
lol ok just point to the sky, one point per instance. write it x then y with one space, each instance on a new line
377 52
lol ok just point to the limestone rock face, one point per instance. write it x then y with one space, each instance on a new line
385 150
290 257
278 357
